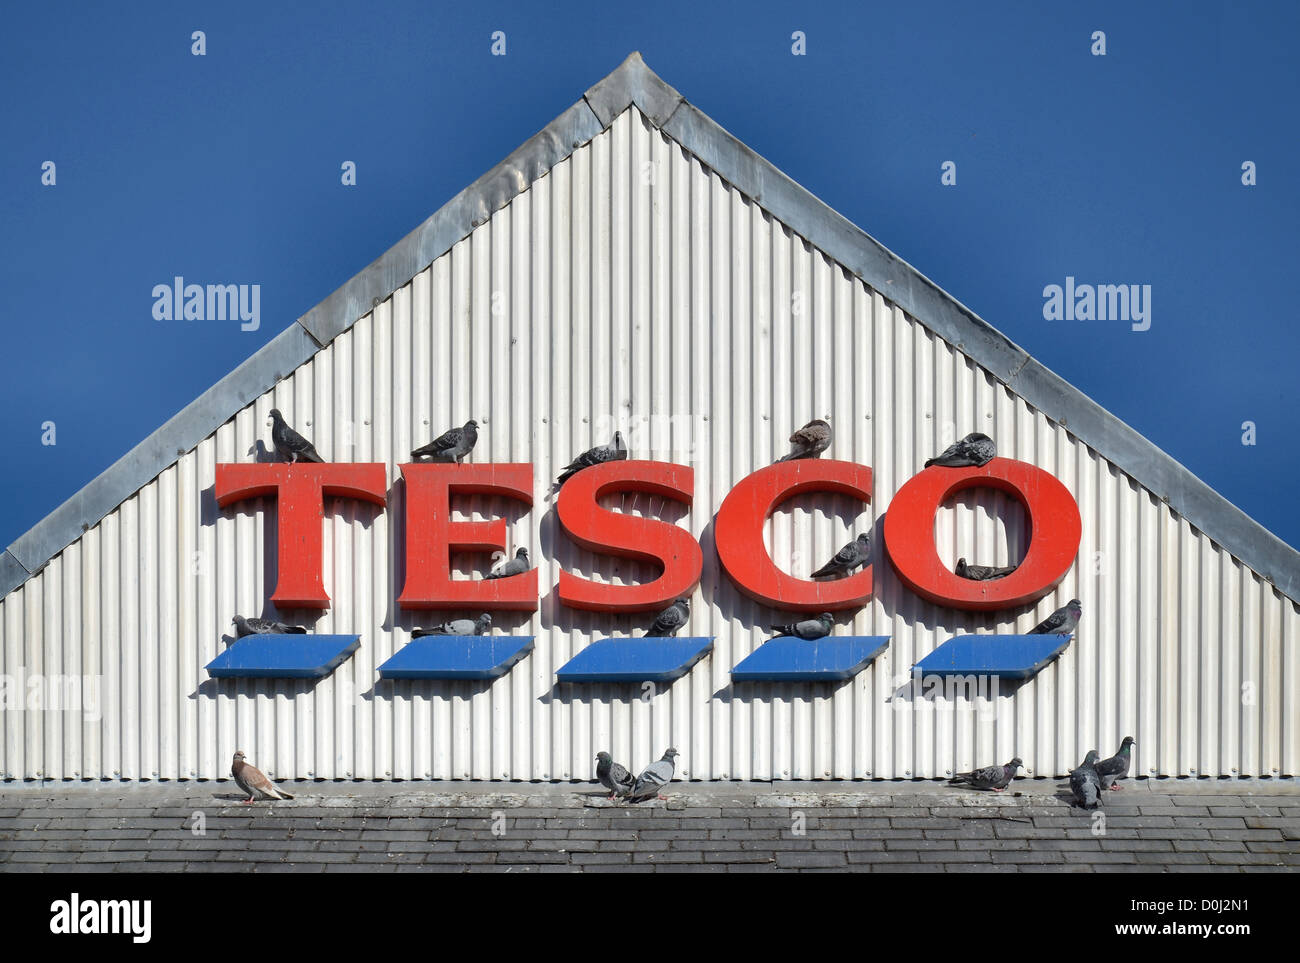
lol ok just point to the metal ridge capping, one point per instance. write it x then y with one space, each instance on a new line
633 83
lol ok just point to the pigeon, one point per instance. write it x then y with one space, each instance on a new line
617 451
982 573
1061 622
670 620
245 627
612 776
996 778
1116 767
656 776
291 445
452 445
810 440
253 781
516 566
478 626
809 628
973 450
1085 784
848 558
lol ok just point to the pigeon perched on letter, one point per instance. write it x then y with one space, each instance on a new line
982 573
847 558
1116 767
670 621
595 456
1061 622
452 445
253 781
655 777
516 566
808 629
972 451
292 446
612 776
1085 784
245 627
809 441
477 626
996 778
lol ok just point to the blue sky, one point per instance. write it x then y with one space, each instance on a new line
1117 169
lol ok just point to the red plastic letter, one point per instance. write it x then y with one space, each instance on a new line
739 534
614 533
300 490
1053 522
431 537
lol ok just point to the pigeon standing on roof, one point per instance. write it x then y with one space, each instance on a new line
848 558
452 445
612 776
1116 767
245 627
516 566
810 440
617 451
478 626
1061 622
982 573
670 621
808 629
996 778
1085 784
655 777
291 445
974 450
253 781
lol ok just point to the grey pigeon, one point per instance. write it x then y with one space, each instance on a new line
291 445
612 776
973 450
848 558
808 629
670 620
245 627
253 781
656 776
810 440
1116 767
1061 622
996 778
1085 784
477 626
617 451
982 573
516 566
452 445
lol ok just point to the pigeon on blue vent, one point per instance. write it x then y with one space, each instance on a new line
516 566
974 450
613 776
254 782
810 440
1061 622
808 629
245 627
671 620
617 451
848 558
982 573
1116 767
1085 784
996 778
292 446
452 445
478 626
655 777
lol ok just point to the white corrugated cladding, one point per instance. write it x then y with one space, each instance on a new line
631 287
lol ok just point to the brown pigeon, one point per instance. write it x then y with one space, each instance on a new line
253 781
809 441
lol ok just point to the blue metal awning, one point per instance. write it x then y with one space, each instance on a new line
1004 656
790 659
286 656
650 659
457 657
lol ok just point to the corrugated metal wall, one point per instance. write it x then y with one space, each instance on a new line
631 287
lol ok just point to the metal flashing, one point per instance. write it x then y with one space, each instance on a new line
12 573
633 83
